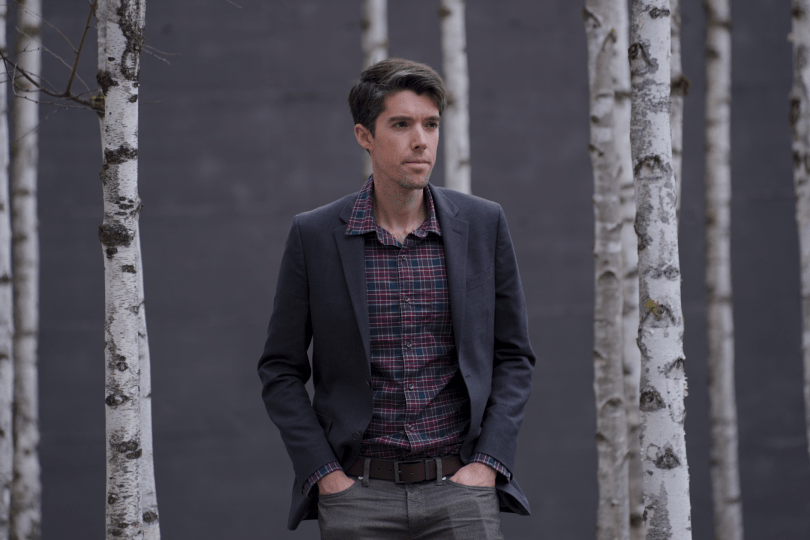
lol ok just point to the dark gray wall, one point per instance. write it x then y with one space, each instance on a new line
248 126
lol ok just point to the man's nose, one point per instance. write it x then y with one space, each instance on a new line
419 137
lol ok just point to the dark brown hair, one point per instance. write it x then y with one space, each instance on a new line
367 96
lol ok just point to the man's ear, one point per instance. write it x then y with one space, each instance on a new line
364 136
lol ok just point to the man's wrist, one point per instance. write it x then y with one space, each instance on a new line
320 473
503 473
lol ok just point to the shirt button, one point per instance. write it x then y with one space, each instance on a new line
356 436
410 386
407 344
407 300
409 427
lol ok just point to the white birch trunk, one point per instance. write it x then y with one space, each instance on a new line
725 474
6 311
26 509
119 239
611 416
680 87
800 125
151 525
374 39
631 356
456 117
663 379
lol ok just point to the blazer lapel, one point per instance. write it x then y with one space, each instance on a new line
455 238
352 257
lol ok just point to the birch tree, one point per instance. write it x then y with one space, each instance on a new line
26 489
663 379
374 39
631 358
800 126
151 525
680 87
456 117
6 311
611 416
725 474
119 81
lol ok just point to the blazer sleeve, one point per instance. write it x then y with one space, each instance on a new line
284 367
513 358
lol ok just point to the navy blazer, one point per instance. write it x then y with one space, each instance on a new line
321 298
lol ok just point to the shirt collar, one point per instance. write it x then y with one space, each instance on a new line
362 219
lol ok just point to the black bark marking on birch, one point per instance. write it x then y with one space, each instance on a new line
651 400
666 459
795 111
681 85
797 11
150 517
444 12
133 98
656 167
678 364
105 81
670 272
5 279
655 13
122 366
112 498
644 239
111 251
120 155
114 400
659 311
588 15
130 449
131 24
114 234
129 268
640 60
712 54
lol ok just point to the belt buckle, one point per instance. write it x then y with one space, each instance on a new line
397 479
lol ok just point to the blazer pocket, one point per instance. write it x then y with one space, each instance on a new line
479 279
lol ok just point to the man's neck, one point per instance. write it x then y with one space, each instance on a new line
399 211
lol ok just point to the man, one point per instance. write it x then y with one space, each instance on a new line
421 359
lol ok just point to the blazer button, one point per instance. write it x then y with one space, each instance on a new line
356 436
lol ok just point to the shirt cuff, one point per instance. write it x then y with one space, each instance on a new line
493 463
320 473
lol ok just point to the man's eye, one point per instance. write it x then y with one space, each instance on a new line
400 124
433 125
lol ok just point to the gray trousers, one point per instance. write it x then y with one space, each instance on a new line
384 510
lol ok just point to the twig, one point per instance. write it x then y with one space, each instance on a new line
234 3
41 18
81 44
145 46
144 49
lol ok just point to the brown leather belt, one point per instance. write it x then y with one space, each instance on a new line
405 471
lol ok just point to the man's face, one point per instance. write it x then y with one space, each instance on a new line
406 136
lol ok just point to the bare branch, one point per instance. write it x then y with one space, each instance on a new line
234 3
90 104
81 44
